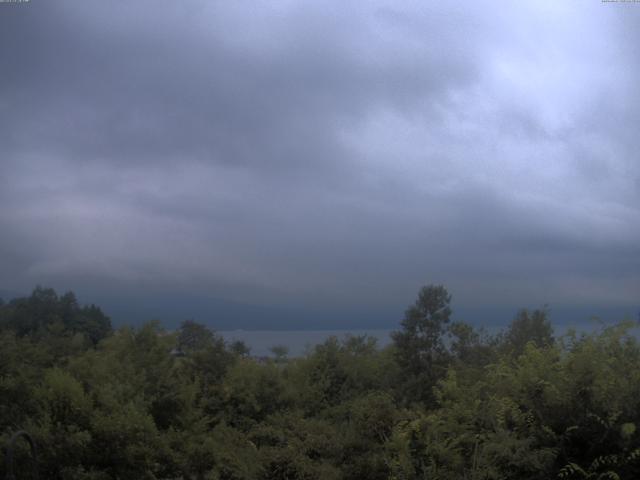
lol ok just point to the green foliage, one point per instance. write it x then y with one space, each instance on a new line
292 446
280 353
239 348
444 401
252 392
528 327
193 337
43 312
420 349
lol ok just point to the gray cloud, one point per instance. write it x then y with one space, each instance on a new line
322 156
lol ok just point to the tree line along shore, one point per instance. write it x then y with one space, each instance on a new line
444 400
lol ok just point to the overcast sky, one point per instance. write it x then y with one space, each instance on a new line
328 156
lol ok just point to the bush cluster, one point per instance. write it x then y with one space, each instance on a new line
443 401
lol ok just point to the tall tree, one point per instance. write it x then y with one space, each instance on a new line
528 327
420 349
194 336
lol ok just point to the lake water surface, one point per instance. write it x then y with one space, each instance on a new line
300 341
297 341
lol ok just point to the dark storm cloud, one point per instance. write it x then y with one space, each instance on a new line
328 154
100 87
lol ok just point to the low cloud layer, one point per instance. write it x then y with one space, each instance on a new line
326 155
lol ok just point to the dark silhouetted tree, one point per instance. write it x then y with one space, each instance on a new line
239 348
528 327
194 336
280 353
420 349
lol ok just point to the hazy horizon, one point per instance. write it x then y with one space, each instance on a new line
228 316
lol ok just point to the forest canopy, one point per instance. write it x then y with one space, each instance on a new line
445 400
